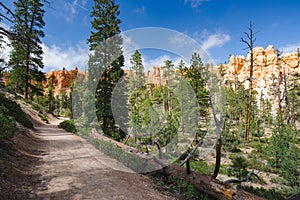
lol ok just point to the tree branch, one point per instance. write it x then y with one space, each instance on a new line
192 152
243 180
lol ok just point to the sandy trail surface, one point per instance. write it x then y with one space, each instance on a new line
71 168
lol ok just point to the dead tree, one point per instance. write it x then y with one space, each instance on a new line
250 44
219 123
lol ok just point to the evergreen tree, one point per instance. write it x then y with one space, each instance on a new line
107 60
50 95
136 86
26 56
138 69
294 98
195 76
168 69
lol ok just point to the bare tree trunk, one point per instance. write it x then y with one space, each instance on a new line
249 42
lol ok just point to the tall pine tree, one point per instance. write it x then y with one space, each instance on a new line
136 85
107 60
26 56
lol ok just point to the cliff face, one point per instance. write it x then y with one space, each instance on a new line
62 80
268 69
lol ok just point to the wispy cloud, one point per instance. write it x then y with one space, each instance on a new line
140 10
180 40
195 3
56 58
70 9
290 48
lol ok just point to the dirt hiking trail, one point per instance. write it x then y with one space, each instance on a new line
60 165
72 168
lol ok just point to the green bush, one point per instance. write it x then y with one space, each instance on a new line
15 111
7 124
68 125
43 117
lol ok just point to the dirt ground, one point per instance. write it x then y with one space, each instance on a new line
49 163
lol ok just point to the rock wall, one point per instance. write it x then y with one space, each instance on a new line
268 69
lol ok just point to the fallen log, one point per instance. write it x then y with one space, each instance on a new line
213 187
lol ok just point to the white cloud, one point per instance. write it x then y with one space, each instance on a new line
160 61
290 48
215 40
5 50
195 3
56 58
140 10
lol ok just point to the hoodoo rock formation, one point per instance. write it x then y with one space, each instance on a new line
61 80
268 69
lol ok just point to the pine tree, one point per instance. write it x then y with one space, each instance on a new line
294 96
26 56
107 60
195 76
168 69
50 95
136 86
137 69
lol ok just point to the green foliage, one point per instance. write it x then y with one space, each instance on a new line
50 96
284 155
183 189
68 125
238 167
43 117
7 123
15 111
202 167
268 194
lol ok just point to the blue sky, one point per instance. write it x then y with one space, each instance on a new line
217 25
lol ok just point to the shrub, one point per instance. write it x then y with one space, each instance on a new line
15 111
68 125
43 117
238 167
7 124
